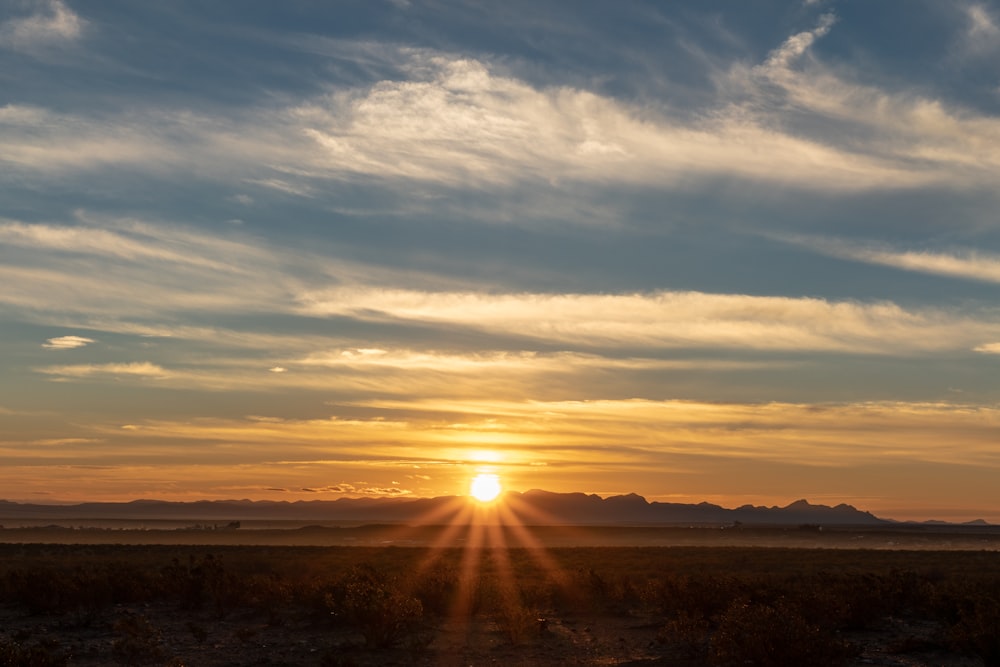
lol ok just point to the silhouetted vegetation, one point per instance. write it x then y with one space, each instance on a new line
714 606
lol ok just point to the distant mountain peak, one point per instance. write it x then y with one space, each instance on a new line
560 508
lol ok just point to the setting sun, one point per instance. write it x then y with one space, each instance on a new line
485 487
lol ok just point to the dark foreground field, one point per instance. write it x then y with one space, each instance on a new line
277 605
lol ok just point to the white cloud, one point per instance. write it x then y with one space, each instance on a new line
668 319
988 348
67 342
139 368
53 23
922 140
457 121
967 264
796 45
104 269
498 363
136 241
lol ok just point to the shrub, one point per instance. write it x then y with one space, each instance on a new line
689 632
16 654
978 631
777 635
138 642
515 621
436 589
375 605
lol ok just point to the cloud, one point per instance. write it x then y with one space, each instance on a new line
454 121
102 268
54 23
67 342
664 320
496 362
983 34
77 371
385 491
796 45
137 241
966 264
921 140
988 348
442 434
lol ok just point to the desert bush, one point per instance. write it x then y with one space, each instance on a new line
376 605
689 633
42 654
138 642
844 602
705 595
204 581
978 630
436 588
772 635
515 620
47 590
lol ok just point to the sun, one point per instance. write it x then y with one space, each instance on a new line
485 487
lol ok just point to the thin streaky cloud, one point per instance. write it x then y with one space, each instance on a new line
155 244
669 319
966 264
137 368
648 432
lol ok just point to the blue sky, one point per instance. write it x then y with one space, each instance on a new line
738 252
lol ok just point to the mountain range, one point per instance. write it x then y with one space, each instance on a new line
532 507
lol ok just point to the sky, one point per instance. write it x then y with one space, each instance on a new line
701 251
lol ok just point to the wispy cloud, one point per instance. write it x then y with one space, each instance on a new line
441 434
667 319
136 242
702 449
52 23
138 368
450 120
67 342
923 139
965 264
458 122
983 34
796 45
101 268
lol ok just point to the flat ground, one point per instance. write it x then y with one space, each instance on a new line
276 605
288 533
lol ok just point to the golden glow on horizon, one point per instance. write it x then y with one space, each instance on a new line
485 487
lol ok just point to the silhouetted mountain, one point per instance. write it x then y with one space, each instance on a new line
533 507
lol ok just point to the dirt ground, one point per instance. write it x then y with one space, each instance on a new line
162 635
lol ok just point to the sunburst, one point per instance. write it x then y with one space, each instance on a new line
485 487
